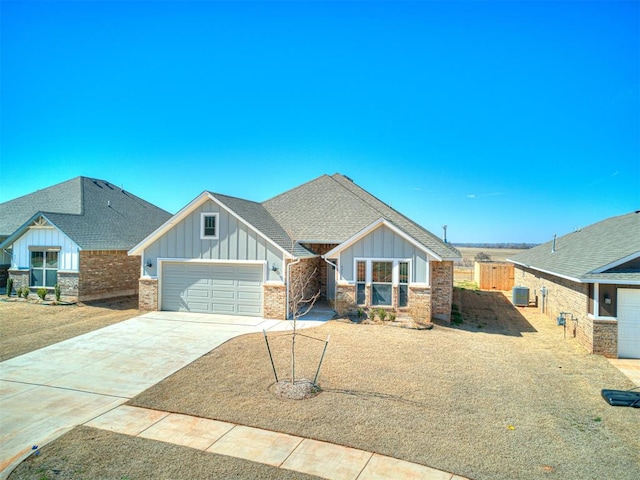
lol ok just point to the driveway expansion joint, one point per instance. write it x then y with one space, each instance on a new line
304 455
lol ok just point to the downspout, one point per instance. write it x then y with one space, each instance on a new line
329 262
288 284
336 269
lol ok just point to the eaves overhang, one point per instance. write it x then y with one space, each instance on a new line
587 278
25 226
187 210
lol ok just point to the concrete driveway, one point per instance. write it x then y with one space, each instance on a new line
45 393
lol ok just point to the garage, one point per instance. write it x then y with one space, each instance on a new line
628 323
223 288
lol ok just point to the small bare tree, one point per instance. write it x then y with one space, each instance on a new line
303 294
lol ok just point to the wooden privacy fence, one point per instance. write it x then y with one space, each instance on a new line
493 275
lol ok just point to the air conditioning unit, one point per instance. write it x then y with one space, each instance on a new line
520 296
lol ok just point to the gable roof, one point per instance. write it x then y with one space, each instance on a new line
588 255
259 217
94 213
375 225
332 209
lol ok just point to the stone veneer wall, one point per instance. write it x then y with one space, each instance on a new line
420 303
20 278
68 283
107 273
148 294
274 301
345 301
597 336
441 290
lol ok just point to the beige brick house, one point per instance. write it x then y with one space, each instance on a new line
221 254
76 234
592 278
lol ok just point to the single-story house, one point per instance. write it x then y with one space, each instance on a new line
76 234
221 254
592 277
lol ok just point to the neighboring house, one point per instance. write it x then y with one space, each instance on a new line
222 254
77 234
593 276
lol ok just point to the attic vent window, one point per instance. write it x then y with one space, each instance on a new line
209 226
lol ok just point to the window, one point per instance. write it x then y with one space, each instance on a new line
403 284
209 226
44 268
381 281
361 278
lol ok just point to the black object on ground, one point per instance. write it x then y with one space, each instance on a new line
622 398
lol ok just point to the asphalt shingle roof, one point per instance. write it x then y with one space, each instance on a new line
331 209
258 216
581 253
95 214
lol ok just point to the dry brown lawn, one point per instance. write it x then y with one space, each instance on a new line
91 454
27 326
502 395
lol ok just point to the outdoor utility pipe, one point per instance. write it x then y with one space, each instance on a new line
288 285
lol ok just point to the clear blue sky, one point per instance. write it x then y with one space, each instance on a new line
507 121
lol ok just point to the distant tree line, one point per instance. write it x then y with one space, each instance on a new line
520 246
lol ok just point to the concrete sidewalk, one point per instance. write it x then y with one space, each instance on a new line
289 452
629 366
45 393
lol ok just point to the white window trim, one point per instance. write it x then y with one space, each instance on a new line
44 267
204 215
395 269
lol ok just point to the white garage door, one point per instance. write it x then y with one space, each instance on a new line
212 288
628 323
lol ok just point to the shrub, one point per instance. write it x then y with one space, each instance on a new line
392 317
9 286
382 313
56 292
482 257
360 313
42 293
24 291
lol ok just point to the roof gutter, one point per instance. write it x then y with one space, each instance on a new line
555 274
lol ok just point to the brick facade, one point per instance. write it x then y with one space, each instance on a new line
274 301
420 304
597 336
345 301
424 303
321 249
441 290
148 294
103 274
107 273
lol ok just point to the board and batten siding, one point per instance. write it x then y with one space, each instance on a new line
68 257
236 241
384 243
